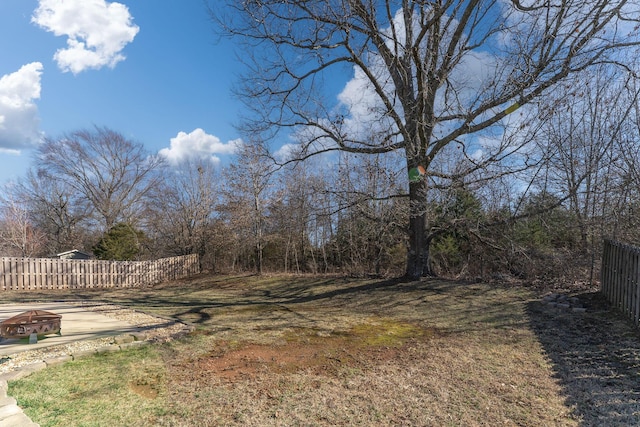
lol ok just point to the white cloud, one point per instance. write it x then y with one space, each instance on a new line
19 121
198 145
97 31
288 152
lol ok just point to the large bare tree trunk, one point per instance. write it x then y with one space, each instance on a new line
418 254
418 264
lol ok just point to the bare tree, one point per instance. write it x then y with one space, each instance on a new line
369 221
426 75
300 218
183 207
56 209
623 210
246 196
18 235
584 136
290 213
112 172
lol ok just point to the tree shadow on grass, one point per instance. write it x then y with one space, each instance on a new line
197 308
286 293
286 299
596 358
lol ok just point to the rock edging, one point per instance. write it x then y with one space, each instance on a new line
10 412
563 302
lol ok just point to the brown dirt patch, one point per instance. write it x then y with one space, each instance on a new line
147 391
250 361
313 353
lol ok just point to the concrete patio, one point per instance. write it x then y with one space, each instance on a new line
77 324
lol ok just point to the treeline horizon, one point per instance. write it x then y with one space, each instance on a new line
98 192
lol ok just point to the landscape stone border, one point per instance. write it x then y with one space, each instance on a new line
563 302
10 412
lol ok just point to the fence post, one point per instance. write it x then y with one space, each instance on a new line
606 266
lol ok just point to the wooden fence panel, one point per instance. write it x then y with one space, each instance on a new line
24 274
620 281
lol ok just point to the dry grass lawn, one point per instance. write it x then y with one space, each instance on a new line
291 351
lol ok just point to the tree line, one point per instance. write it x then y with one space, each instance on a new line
472 139
342 214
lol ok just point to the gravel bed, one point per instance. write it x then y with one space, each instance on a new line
155 329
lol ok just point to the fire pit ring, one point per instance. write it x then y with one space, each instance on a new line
33 323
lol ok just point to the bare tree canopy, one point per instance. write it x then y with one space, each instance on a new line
182 208
18 235
112 172
246 196
56 209
424 76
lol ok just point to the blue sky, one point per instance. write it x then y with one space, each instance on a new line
154 71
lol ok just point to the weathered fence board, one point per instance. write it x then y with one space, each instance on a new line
621 278
28 274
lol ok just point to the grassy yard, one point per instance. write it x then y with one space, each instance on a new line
288 351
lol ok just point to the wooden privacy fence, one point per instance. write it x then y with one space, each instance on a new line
621 278
29 274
